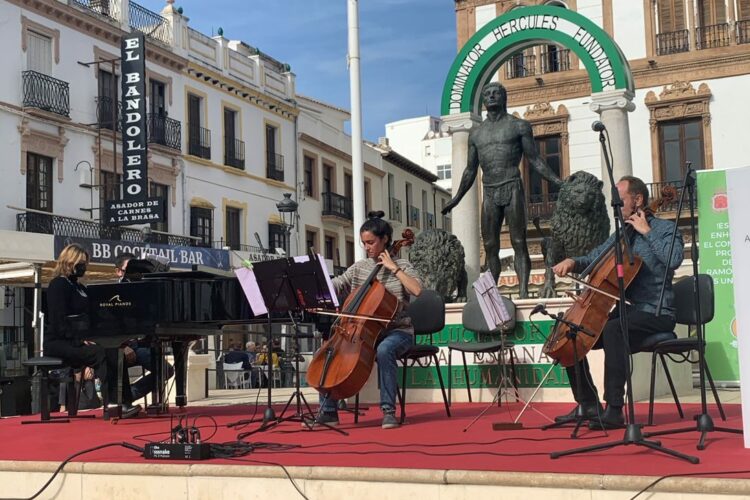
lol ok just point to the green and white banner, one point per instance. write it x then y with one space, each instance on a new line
716 260
531 362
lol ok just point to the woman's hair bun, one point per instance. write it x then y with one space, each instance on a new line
375 214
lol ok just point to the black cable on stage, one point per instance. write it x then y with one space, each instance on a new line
71 457
689 474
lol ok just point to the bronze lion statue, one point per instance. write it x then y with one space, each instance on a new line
438 257
579 224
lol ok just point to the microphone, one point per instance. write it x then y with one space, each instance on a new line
537 309
597 126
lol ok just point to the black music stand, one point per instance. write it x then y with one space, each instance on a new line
633 432
289 286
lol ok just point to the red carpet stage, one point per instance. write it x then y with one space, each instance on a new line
429 441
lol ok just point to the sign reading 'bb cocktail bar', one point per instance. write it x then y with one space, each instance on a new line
140 209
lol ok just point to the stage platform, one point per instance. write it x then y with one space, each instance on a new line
429 457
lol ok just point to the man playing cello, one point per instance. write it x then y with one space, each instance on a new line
651 242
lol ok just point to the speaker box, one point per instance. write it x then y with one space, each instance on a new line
15 396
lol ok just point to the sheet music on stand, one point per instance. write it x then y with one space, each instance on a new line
326 291
490 302
303 275
250 287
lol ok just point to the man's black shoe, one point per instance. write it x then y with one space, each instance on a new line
590 410
130 411
612 418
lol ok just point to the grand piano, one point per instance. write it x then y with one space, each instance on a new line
167 307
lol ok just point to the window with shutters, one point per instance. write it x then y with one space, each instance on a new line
201 225
713 29
39 53
39 182
743 21
160 191
680 142
673 35
233 217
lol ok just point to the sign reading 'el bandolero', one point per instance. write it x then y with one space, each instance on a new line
135 206
498 40
134 137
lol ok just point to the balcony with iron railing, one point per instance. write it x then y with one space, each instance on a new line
394 209
541 206
234 152
709 37
336 205
46 93
160 128
413 217
106 116
655 192
743 31
672 42
106 8
429 221
199 141
165 131
520 66
35 221
275 166
555 60
149 23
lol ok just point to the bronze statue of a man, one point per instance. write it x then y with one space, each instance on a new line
497 145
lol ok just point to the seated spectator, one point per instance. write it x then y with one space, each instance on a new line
237 355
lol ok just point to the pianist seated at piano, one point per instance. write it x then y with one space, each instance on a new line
67 310
138 352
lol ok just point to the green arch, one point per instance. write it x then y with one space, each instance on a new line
495 42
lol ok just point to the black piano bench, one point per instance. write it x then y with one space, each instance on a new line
44 364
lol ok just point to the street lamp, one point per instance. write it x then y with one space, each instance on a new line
287 208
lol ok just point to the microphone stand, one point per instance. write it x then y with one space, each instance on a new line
633 434
704 422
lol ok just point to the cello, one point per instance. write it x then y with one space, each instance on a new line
591 309
342 365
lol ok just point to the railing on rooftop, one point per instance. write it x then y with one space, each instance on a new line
150 23
46 93
107 8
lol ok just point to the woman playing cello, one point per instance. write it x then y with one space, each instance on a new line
400 279
651 242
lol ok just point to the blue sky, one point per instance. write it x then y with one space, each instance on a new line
406 47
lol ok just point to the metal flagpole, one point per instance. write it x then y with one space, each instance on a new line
358 171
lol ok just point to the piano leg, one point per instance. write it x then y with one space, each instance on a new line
158 401
180 350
